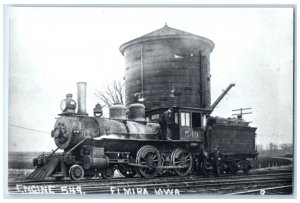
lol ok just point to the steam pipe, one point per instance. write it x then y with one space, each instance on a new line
81 98
221 97
201 85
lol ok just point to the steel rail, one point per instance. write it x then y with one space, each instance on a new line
138 179
261 189
157 179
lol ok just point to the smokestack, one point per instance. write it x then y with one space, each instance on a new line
81 98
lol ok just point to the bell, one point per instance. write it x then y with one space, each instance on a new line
98 110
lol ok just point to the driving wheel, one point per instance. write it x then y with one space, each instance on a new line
149 159
182 159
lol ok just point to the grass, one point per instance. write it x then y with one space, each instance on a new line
264 162
18 174
21 160
20 164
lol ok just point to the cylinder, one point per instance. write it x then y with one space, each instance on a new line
168 67
81 97
94 162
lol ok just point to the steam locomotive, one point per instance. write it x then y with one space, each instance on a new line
131 141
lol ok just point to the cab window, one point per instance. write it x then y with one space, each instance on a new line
196 120
155 117
176 117
185 119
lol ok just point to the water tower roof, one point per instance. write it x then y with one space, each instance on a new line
166 32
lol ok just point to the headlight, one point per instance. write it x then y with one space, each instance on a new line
68 105
63 105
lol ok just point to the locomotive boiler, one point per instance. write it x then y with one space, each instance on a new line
73 128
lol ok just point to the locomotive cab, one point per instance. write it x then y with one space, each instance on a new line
186 123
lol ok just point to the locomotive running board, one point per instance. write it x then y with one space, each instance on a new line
160 167
45 171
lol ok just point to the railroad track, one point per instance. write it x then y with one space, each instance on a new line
137 179
285 189
161 185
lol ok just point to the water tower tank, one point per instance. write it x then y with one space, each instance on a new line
168 67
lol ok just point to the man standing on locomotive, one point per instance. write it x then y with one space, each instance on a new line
165 121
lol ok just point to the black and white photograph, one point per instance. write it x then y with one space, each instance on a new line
156 101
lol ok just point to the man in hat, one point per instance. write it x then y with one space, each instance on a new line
216 161
166 122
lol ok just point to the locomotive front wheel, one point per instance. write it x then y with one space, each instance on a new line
108 173
127 171
149 157
182 158
76 172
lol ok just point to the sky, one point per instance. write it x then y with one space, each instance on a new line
50 49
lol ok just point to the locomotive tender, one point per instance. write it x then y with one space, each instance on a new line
164 61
